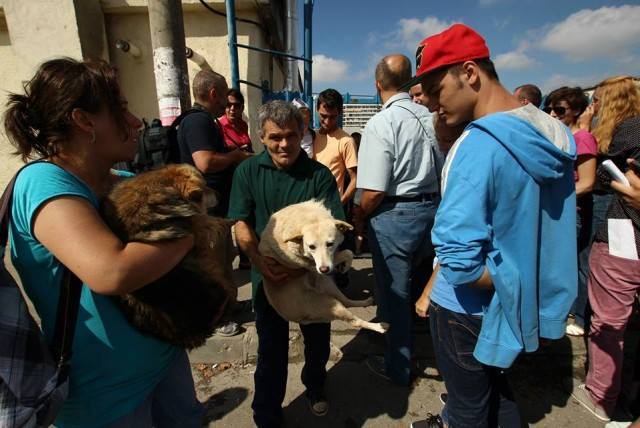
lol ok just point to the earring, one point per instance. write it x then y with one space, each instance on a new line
93 136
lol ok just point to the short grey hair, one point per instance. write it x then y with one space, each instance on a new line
281 113
206 80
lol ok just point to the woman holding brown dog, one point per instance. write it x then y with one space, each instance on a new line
73 116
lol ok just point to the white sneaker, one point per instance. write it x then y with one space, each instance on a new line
574 330
617 424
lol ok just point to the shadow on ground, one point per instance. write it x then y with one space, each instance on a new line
356 395
223 402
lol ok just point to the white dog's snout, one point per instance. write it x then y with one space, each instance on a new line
324 269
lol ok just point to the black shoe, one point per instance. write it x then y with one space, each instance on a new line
432 421
318 403
443 398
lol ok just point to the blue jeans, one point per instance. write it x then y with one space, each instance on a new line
479 395
585 235
400 243
591 216
172 402
273 360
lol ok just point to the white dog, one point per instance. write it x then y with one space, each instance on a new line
305 235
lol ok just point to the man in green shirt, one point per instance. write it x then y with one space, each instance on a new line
280 176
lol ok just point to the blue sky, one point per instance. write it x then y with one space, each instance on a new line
548 43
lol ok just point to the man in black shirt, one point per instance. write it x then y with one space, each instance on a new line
201 144
200 138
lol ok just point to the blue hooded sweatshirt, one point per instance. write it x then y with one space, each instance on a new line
509 205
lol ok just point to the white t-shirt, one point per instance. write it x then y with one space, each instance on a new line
307 143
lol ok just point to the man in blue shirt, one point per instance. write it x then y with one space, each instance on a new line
398 177
504 233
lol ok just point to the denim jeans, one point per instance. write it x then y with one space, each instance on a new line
172 402
585 235
400 243
273 360
479 395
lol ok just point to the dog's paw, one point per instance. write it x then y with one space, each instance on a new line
384 327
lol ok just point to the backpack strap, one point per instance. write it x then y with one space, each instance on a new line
70 290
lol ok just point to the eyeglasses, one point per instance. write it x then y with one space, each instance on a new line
236 105
560 111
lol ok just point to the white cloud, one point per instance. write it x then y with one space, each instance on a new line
515 60
412 31
327 69
589 34
557 80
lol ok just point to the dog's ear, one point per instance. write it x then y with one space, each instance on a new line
343 226
297 238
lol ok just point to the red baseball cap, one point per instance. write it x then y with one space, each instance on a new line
454 45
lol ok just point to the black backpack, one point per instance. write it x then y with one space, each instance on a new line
34 378
158 145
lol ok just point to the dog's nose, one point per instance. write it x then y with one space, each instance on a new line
324 269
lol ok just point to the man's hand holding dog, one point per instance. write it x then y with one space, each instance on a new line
275 272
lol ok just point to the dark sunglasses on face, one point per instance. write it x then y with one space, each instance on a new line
236 105
560 111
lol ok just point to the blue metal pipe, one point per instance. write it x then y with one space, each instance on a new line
308 25
272 52
232 41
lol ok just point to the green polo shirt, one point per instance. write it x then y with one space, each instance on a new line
260 189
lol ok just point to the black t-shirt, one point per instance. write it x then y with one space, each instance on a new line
200 131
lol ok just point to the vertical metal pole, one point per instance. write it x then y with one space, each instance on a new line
291 83
232 40
169 58
308 24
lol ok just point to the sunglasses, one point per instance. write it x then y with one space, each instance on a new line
236 105
560 111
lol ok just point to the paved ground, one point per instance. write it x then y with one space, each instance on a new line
224 368
223 371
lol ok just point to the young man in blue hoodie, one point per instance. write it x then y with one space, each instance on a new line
504 233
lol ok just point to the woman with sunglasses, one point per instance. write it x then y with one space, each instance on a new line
236 136
234 128
567 105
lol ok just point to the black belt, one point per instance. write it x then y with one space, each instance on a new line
418 198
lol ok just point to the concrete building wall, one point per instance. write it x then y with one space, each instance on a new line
34 31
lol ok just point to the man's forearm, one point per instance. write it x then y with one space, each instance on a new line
370 201
220 161
350 191
247 240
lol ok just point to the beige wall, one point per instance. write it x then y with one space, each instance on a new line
91 27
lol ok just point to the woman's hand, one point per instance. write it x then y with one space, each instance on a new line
631 193
584 120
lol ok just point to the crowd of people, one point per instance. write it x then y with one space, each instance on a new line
484 210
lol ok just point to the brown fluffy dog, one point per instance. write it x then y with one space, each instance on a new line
183 306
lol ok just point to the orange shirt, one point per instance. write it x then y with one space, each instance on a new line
336 151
